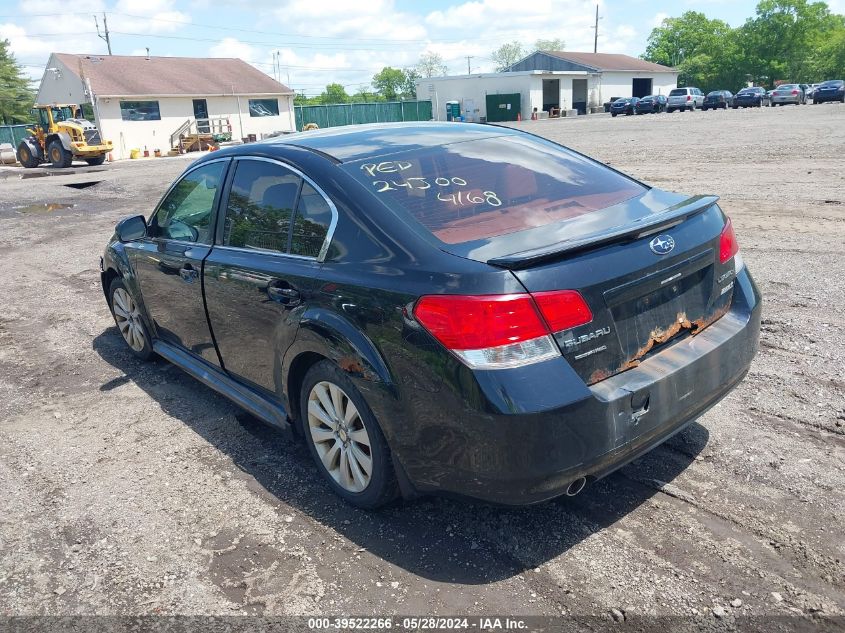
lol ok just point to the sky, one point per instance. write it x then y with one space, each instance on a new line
339 41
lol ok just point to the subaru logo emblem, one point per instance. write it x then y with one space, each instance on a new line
662 244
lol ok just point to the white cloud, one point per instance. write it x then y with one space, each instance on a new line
231 47
658 19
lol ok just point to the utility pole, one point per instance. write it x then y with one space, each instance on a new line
105 28
469 70
596 27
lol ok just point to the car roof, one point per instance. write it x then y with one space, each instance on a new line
354 142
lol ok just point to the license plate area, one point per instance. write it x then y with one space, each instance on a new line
648 322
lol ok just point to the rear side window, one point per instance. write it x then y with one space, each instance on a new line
260 207
313 219
476 190
678 92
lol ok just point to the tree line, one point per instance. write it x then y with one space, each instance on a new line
794 41
391 84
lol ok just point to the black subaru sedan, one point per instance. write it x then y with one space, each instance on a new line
440 308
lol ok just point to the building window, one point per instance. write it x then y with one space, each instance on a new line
139 111
263 107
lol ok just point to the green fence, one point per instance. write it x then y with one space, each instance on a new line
13 133
337 114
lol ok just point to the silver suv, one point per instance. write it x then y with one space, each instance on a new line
684 99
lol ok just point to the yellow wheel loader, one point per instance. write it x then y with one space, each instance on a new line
60 136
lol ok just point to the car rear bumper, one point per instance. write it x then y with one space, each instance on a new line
789 99
514 457
821 98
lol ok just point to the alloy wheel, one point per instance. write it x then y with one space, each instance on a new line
340 437
128 318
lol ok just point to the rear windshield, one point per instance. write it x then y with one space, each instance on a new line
787 87
835 82
677 92
475 190
715 93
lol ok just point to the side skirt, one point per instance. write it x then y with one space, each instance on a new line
270 412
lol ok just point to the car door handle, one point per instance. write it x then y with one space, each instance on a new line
188 273
286 296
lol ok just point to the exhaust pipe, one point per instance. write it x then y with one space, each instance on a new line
576 486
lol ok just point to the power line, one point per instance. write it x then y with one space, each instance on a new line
252 42
280 34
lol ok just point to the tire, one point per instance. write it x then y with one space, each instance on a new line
734 107
127 317
345 446
670 110
26 157
58 155
613 114
99 160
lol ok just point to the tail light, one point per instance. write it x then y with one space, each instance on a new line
728 246
689 98
795 92
501 331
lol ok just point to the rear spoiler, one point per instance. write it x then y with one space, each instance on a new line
648 224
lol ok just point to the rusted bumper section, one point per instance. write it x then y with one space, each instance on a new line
672 388
540 430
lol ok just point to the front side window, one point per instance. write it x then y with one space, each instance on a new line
263 107
140 111
186 213
260 206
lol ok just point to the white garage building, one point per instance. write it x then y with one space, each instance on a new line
548 81
150 102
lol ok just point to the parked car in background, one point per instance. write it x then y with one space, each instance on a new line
833 90
625 105
651 104
787 93
439 308
684 99
609 103
718 99
753 97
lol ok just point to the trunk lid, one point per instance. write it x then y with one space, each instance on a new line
644 294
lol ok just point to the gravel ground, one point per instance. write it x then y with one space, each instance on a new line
130 488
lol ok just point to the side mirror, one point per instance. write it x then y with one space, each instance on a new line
131 229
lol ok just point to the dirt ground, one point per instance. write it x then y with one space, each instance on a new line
130 488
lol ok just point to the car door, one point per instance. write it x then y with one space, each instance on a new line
168 261
272 234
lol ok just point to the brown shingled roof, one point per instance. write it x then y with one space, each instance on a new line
125 76
611 62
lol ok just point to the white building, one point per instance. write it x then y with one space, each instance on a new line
548 81
142 102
